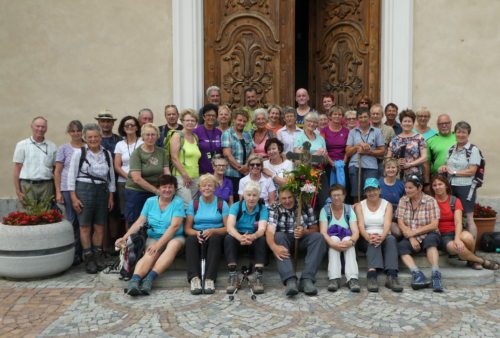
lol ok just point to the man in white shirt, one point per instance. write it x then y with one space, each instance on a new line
34 160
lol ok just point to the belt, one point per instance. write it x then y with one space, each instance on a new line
36 181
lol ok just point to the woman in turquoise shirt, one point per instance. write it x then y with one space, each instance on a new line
246 226
205 227
164 215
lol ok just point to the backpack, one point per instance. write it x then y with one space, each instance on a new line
490 241
134 250
83 158
328 210
260 203
478 179
196 204
167 141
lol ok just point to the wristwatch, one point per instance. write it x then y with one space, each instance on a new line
353 242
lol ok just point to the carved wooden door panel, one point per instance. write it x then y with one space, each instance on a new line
344 44
250 43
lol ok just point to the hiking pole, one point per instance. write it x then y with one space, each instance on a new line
359 180
203 259
298 222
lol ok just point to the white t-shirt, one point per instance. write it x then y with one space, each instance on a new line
125 150
279 169
266 186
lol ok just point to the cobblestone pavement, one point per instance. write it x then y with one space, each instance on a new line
74 304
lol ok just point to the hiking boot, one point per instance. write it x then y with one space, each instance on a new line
209 287
353 285
233 282
437 284
90 264
146 286
418 280
334 285
195 286
133 288
258 284
371 284
307 286
392 283
291 287
100 260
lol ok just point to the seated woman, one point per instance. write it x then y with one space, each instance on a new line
418 218
455 240
338 225
246 227
392 189
224 186
205 228
267 187
374 223
163 215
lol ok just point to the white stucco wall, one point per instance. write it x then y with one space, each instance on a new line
67 59
456 70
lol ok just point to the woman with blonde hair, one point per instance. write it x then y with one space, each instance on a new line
185 156
267 187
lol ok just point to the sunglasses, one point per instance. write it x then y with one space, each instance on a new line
130 125
258 165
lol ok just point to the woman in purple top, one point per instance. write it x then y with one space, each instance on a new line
63 159
224 186
209 138
336 138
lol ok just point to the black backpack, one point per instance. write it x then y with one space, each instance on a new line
478 179
490 241
83 158
260 203
134 250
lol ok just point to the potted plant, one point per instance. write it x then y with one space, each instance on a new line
37 242
485 218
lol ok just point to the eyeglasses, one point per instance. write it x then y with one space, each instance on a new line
253 165
130 125
220 165
444 123
351 119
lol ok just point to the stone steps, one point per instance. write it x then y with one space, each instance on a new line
454 273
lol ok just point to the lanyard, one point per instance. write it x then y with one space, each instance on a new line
46 151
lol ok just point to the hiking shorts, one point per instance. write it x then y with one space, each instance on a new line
95 203
462 192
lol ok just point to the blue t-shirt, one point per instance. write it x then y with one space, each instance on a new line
392 193
207 216
341 222
247 223
159 220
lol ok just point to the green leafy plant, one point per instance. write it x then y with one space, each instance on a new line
37 212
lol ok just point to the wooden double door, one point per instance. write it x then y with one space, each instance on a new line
277 46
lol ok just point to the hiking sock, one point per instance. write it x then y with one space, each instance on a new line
391 272
435 268
152 275
371 274
136 278
414 269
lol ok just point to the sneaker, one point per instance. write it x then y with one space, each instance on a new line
371 284
418 280
291 287
392 283
209 287
146 286
133 288
307 286
258 284
353 285
334 285
437 284
233 282
90 263
195 286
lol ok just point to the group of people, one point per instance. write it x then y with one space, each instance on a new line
214 182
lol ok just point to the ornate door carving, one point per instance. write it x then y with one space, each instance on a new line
345 50
250 43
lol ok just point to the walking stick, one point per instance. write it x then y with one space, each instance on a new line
203 260
298 219
359 179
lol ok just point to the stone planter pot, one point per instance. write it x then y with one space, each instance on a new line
35 251
484 225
